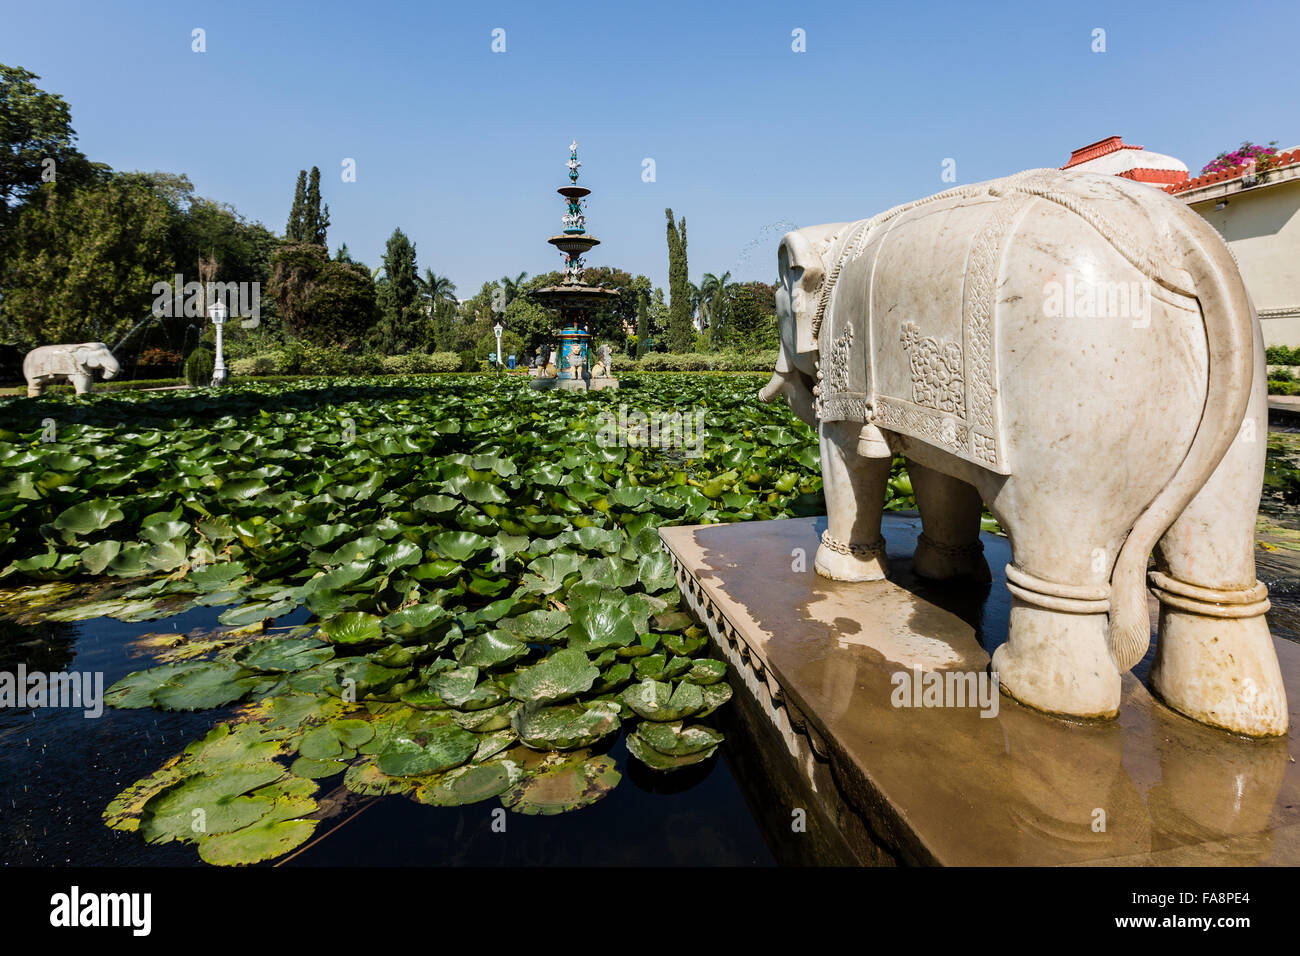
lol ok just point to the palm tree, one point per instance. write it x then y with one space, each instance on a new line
715 292
511 286
436 289
698 303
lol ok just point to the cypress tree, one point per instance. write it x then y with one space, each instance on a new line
398 298
293 231
642 328
316 220
681 332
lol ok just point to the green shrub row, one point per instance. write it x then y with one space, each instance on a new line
297 358
1282 355
698 362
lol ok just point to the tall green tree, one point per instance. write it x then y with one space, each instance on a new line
295 230
681 332
316 218
401 316
36 138
83 259
323 300
642 327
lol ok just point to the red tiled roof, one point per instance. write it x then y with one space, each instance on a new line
1156 176
1100 148
1223 175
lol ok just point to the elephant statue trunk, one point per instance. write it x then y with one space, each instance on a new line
1080 354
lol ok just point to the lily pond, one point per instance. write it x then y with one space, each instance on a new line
388 621
374 621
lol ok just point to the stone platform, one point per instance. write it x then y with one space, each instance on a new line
813 661
573 384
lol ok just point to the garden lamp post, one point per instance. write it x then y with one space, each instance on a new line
217 312
498 329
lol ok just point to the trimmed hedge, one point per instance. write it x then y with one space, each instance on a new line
297 358
698 362
1282 355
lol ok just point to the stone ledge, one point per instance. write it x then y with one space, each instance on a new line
945 785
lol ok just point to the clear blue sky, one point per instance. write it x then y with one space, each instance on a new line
463 148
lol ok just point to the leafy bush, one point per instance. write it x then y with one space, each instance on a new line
1282 355
705 362
418 363
267 363
1278 386
468 361
198 367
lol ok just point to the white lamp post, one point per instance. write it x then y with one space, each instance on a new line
217 312
498 329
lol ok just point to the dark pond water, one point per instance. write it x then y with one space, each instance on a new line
59 770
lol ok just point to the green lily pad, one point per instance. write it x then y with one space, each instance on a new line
472 784
655 760
658 701
560 676
677 739
566 727
283 654
353 627
263 840
596 627
569 786
431 750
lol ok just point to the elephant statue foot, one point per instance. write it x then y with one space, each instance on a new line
1057 656
949 545
1214 659
852 547
841 561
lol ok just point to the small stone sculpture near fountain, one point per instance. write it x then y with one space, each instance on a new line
602 370
1079 353
76 363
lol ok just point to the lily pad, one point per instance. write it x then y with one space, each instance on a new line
429 751
560 676
566 727
658 701
571 785
655 760
473 784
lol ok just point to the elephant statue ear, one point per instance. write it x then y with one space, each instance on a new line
803 270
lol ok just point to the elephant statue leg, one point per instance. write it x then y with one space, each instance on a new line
1057 654
35 388
1215 660
949 545
81 382
852 548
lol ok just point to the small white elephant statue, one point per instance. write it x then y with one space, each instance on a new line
1078 352
77 363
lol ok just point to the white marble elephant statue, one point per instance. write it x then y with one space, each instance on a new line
76 363
1079 353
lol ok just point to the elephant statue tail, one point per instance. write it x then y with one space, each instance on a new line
1229 329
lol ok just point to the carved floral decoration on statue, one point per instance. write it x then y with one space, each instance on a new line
936 371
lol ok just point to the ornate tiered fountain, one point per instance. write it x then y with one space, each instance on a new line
572 299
